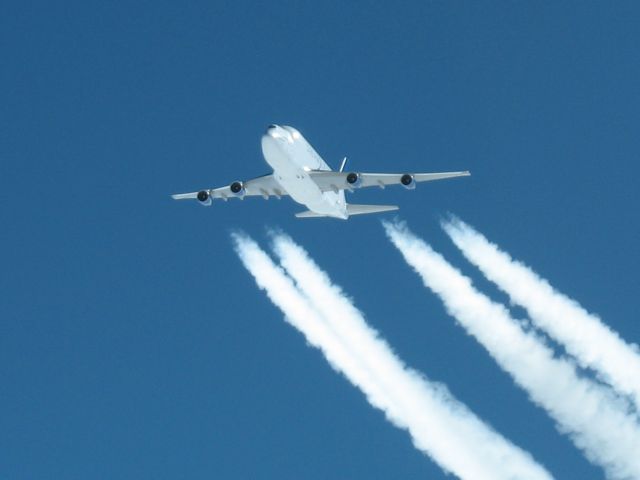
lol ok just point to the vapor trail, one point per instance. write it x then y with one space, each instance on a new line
597 421
439 425
301 315
584 335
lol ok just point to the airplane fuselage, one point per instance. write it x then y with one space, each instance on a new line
292 158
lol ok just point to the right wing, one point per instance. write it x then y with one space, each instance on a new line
336 181
264 186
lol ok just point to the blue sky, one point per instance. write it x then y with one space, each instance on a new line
134 344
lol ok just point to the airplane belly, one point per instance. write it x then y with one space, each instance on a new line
305 191
300 187
290 169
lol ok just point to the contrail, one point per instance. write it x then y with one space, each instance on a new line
592 343
301 315
597 421
414 390
439 425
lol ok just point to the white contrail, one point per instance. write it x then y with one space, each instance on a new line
301 315
591 342
439 425
597 421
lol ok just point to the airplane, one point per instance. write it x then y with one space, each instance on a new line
299 172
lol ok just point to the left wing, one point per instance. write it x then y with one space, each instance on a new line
336 181
264 186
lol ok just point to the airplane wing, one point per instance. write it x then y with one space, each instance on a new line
264 186
336 181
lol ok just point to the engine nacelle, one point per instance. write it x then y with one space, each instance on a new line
204 198
237 189
354 180
408 181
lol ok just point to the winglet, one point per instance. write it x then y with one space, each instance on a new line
343 164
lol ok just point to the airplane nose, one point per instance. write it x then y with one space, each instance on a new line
279 133
276 131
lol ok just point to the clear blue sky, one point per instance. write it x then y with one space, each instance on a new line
134 345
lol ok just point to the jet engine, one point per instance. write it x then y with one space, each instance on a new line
237 188
204 198
407 181
354 180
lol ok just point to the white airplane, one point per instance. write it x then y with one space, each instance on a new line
298 171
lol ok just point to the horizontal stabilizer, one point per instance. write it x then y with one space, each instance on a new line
353 209
309 214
